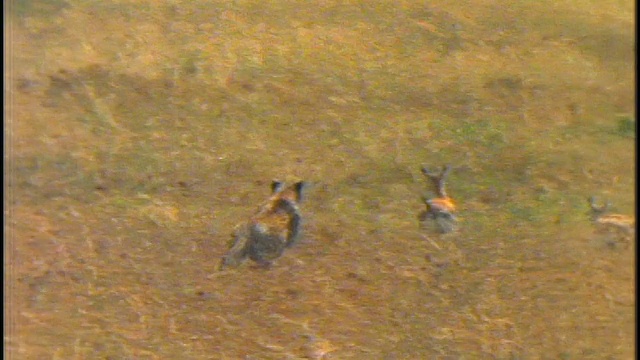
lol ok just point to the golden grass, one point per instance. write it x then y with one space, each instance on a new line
140 133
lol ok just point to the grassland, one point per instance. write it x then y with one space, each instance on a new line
138 133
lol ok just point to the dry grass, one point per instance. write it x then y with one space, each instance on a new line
140 133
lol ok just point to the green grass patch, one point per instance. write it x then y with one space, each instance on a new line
626 126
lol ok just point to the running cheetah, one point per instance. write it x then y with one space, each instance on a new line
274 227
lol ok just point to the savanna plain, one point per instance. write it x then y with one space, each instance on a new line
139 133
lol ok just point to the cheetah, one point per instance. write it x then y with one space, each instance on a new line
274 227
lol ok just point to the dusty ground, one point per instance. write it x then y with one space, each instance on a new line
139 133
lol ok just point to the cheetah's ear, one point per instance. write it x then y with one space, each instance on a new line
298 188
276 186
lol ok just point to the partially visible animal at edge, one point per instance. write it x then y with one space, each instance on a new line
616 227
